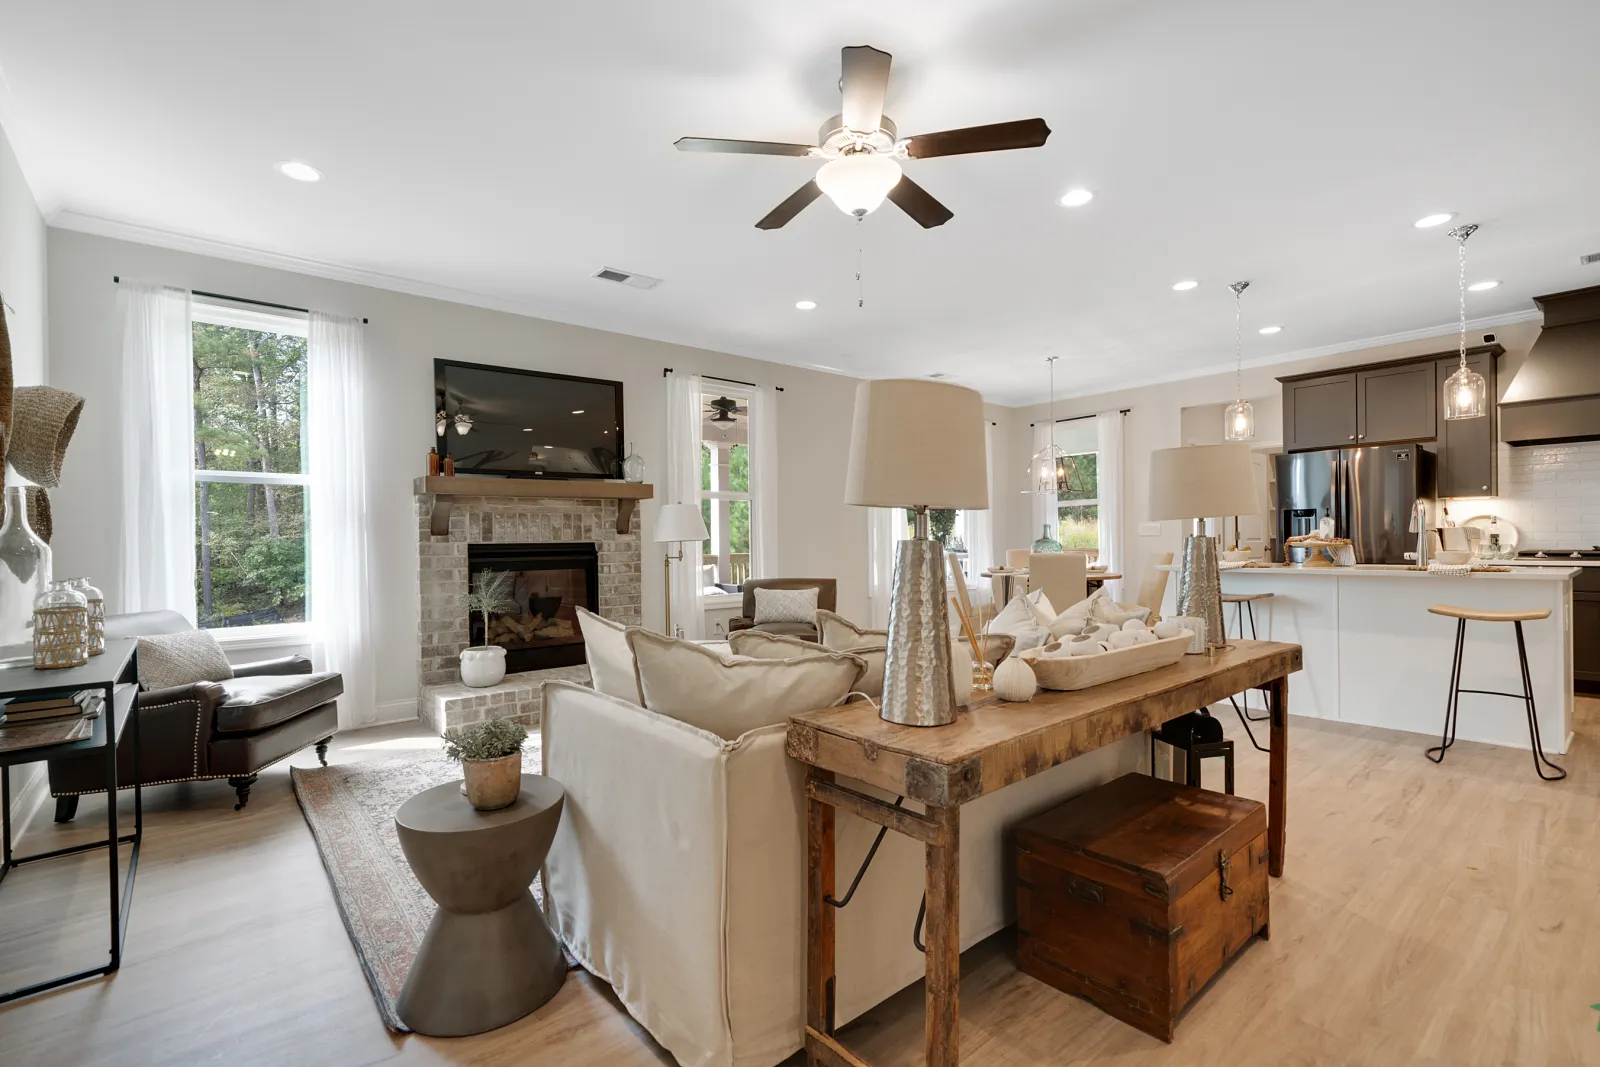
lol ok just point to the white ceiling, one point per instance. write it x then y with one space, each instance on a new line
508 150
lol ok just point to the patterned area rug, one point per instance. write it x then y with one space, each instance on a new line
350 809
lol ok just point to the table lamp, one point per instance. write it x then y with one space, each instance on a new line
677 523
1193 483
918 444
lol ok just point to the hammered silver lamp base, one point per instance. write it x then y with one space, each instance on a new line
1200 587
916 682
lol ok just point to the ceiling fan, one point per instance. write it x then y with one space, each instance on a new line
861 146
724 409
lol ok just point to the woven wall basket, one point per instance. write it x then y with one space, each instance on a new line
43 420
5 384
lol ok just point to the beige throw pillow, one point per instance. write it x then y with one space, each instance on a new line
785 605
836 631
730 698
605 649
167 660
758 645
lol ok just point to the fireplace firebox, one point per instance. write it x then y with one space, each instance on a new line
550 581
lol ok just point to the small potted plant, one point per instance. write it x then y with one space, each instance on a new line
491 760
485 664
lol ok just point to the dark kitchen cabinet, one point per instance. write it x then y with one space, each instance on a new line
1586 628
1468 448
1395 404
1320 413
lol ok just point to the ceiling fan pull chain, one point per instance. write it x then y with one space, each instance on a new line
861 292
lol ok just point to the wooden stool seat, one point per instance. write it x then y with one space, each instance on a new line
1486 615
1245 598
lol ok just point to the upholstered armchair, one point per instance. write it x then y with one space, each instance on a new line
229 729
827 600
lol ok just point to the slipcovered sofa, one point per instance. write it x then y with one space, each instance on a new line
677 875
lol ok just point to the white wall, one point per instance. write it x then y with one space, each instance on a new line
819 536
1156 420
22 270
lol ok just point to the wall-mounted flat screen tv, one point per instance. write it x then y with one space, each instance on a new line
527 424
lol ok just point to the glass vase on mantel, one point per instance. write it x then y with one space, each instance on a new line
24 574
632 466
1046 543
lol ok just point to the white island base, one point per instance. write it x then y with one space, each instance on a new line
1374 655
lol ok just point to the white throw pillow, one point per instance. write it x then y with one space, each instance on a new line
167 660
836 631
1021 619
786 605
759 645
605 648
692 684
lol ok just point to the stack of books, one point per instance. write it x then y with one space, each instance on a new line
48 719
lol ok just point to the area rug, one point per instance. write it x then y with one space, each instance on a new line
350 809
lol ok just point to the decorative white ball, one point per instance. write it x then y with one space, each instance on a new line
1103 631
1167 628
1133 624
1014 681
1085 646
1142 637
1122 639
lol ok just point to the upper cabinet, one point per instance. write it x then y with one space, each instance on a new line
1319 413
1395 404
1468 448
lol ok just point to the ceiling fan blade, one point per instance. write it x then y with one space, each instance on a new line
997 137
791 207
863 79
916 201
743 148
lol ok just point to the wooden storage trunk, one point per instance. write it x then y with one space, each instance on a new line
1134 895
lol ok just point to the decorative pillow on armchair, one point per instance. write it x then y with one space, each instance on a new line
785 605
168 660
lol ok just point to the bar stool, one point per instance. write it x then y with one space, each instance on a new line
1243 603
1452 706
1200 737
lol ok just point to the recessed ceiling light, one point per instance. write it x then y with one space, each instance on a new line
300 172
1076 197
1428 221
578 412
527 429
1271 329
1185 286
1478 287
805 305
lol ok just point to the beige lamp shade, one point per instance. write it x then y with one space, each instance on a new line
680 522
916 442
1203 481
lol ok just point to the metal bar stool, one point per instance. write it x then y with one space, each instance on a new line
1452 706
1245 603
1200 737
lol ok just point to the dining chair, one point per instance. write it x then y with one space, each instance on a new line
1153 586
1064 577
1017 558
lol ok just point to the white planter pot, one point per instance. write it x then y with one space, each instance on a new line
482 666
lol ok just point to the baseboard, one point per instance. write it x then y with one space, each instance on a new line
392 711
30 788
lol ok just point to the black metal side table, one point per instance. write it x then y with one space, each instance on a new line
115 674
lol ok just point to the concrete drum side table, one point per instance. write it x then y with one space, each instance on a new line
488 957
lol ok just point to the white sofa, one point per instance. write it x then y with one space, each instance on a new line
677 875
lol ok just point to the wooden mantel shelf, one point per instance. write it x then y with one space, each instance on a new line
626 494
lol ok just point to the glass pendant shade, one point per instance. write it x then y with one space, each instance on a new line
1466 394
1239 422
858 182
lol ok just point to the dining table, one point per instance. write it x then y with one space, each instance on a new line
1093 578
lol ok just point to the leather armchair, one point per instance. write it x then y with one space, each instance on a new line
230 729
827 600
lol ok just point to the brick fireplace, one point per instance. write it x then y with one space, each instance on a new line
551 534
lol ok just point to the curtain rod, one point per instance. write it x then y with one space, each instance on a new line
241 300
1079 418
731 381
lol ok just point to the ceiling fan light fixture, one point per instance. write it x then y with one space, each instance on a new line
858 182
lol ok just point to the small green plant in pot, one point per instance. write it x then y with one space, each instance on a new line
491 760
485 665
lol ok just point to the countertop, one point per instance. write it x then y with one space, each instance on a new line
1540 573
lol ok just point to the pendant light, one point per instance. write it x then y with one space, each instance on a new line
1466 393
1052 471
1239 421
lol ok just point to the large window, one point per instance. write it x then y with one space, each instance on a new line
250 478
725 490
948 527
1078 508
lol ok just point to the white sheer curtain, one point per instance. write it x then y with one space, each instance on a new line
1108 427
1044 504
157 537
764 481
682 478
980 524
341 613
884 530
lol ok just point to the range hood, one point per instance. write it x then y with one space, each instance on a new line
1555 395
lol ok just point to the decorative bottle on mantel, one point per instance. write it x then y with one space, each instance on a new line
24 574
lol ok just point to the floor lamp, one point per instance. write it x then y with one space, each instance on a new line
677 523
918 444
1192 483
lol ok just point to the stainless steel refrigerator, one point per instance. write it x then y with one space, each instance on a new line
1368 492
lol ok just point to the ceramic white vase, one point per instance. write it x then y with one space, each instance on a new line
483 666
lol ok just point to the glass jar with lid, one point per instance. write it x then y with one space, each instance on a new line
60 628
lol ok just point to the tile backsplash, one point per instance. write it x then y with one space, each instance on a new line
1551 493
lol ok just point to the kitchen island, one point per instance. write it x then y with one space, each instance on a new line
1374 655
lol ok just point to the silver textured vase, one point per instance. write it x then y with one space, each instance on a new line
24 574
916 681
1200 586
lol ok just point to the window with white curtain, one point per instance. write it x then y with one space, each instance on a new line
251 478
1078 507
728 492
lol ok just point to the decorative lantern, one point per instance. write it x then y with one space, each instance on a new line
97 615
60 628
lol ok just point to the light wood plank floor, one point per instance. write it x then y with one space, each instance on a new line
1430 916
